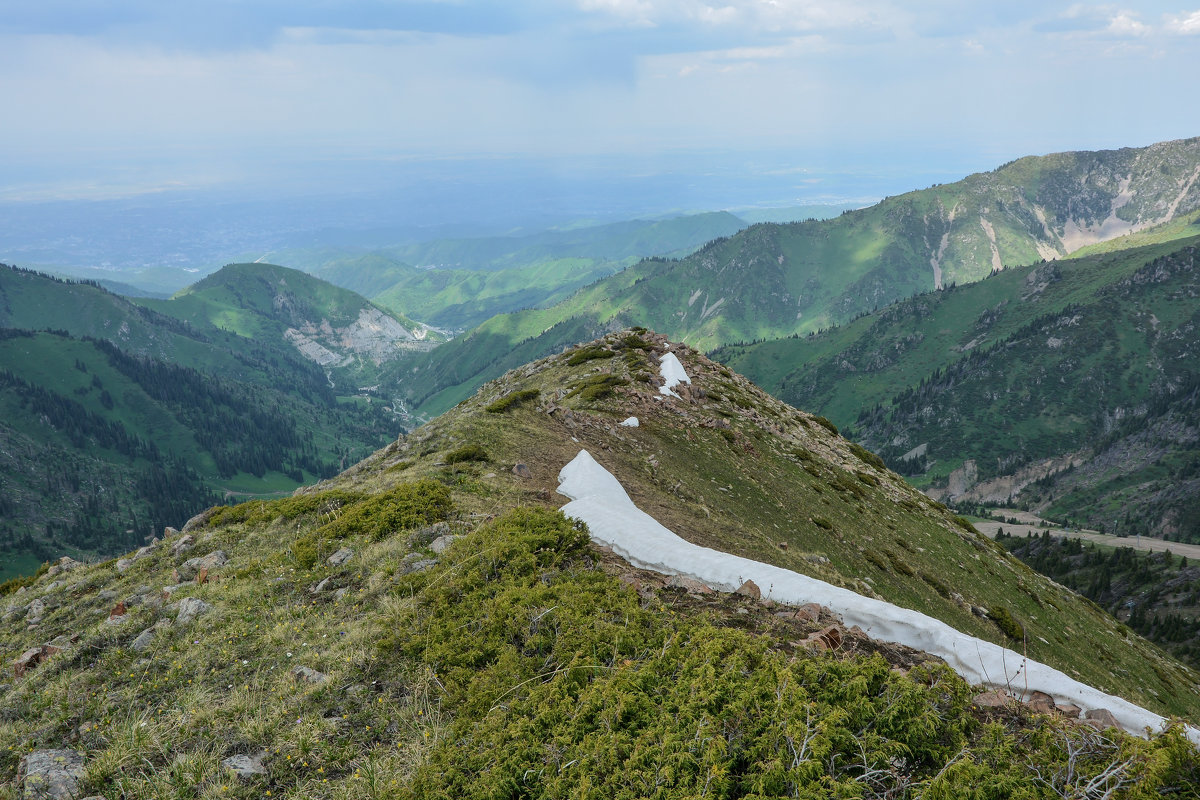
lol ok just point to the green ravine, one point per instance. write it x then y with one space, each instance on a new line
518 660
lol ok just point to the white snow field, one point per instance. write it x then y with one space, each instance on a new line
673 373
598 499
629 422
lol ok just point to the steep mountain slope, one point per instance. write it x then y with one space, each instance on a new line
426 625
770 281
1069 386
118 420
335 328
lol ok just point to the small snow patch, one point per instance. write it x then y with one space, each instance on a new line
673 373
632 422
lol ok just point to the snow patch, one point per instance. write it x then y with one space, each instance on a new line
631 422
673 373
598 499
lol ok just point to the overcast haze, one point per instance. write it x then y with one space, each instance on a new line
789 97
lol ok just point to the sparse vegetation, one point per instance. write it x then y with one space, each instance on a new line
590 353
468 452
511 399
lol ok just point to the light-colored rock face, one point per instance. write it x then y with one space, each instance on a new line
374 335
53 774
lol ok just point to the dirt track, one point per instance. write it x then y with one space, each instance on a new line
1029 522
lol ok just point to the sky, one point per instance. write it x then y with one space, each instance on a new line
105 98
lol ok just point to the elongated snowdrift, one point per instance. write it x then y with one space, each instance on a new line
598 499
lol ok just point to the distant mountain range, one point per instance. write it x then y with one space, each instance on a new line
771 281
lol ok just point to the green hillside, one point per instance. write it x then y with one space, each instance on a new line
339 647
772 281
119 420
1069 386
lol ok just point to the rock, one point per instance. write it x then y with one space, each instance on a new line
320 587
37 610
340 557
423 536
123 564
979 611
190 608
143 640
1101 719
1040 703
340 593
630 422
119 610
993 699
53 774
191 568
1069 710
688 584
749 589
185 543
831 637
106 594
200 519
246 767
410 565
309 675
810 612
168 532
64 564
440 544
522 471
27 661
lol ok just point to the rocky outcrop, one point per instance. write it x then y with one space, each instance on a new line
51 774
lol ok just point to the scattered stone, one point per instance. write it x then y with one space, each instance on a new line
53 774
340 593
37 610
168 532
1040 703
143 640
309 675
119 610
749 589
191 568
410 564
123 564
830 637
200 519
522 471
340 557
167 591
190 608
423 536
246 767
1069 710
185 543
810 612
630 422
688 584
440 544
1100 719
320 587
993 699
979 611
106 594
64 564
27 661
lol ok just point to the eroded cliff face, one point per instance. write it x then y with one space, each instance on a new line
374 336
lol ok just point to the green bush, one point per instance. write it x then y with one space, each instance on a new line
865 455
304 551
821 522
1007 623
590 353
867 478
254 512
826 424
937 585
597 387
510 400
468 452
409 505
900 565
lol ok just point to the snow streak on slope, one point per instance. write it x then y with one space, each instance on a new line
598 499
673 373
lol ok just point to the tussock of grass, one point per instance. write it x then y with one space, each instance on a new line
510 400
